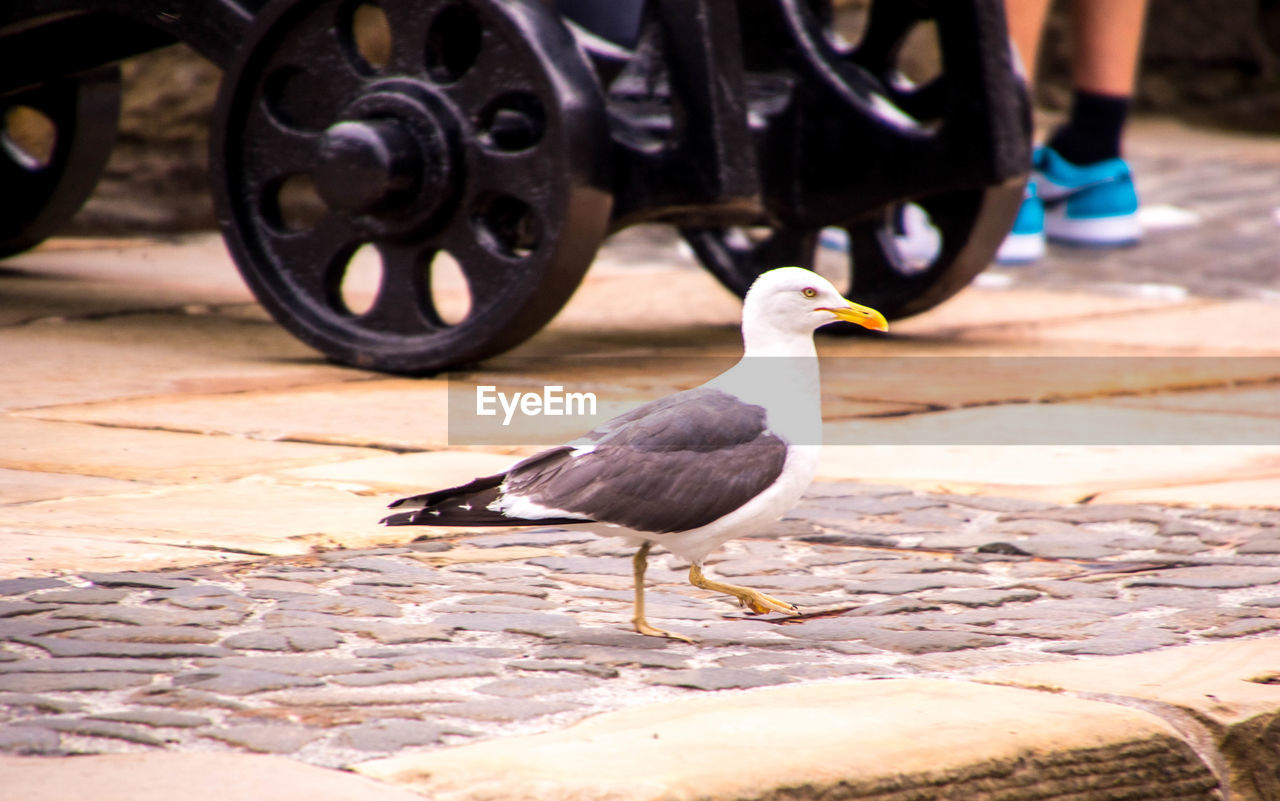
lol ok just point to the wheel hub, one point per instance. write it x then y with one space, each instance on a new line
366 166
389 163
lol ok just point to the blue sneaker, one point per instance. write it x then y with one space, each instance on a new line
1091 206
1025 243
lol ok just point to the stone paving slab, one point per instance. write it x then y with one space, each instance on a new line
403 473
877 740
1237 327
1062 424
43 550
56 282
1225 684
988 309
1261 401
410 414
83 360
984 378
22 486
197 777
91 450
1224 697
1068 473
1256 492
252 517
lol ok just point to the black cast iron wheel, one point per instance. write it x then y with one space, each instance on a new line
471 129
885 267
882 271
46 183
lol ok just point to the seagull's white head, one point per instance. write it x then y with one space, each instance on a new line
793 300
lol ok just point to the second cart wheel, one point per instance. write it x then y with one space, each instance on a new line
55 140
911 255
903 262
419 132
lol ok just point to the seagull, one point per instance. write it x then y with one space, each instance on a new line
689 471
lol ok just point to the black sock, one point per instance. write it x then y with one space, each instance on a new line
1092 132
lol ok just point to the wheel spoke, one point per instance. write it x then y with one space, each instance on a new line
314 42
953 215
487 79
524 175
489 275
311 261
787 247
738 264
887 24
403 304
309 77
407 23
925 102
286 151
873 257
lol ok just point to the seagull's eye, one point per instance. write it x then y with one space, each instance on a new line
809 292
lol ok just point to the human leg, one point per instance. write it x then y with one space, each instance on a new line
1107 42
1086 185
1025 242
1026 27
1082 191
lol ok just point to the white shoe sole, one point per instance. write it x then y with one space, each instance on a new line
1092 232
1020 249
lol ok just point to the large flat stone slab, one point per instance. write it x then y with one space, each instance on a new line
405 414
971 376
1060 424
1215 681
39 551
1260 401
142 454
400 413
69 278
405 473
1063 474
189 776
977 310
1249 492
206 266
244 517
154 353
1233 689
23 486
873 740
1241 327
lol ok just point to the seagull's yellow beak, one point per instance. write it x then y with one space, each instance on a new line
864 316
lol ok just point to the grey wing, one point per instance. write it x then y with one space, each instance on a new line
672 465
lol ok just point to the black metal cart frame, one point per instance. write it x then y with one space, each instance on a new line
513 139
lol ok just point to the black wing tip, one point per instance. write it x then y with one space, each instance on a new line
400 519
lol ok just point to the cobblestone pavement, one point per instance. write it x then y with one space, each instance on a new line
348 655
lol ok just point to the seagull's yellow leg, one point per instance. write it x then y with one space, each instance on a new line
754 600
639 563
